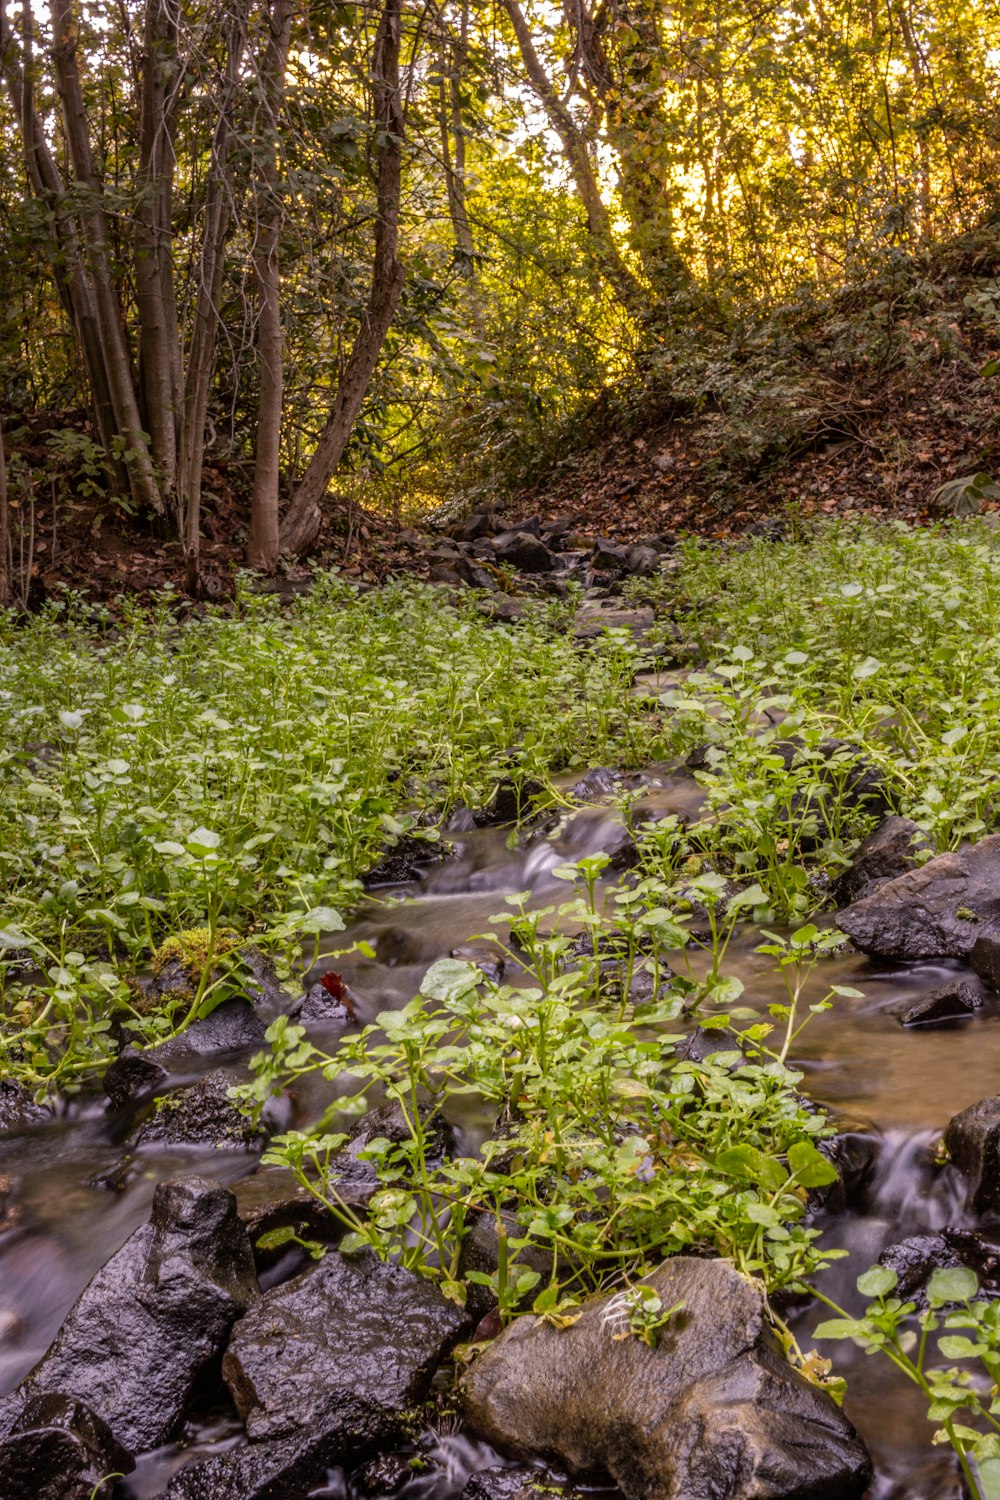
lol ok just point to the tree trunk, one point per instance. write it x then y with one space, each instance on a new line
581 167
201 354
63 250
264 541
154 275
302 521
94 233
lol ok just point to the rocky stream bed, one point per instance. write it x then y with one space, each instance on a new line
145 1334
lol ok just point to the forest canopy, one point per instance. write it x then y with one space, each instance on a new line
393 243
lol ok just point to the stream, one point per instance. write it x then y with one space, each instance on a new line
57 1228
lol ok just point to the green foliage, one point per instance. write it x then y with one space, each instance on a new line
962 1397
244 770
609 1151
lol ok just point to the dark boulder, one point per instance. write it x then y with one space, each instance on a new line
480 524
973 1142
406 860
915 1259
388 1122
325 1004
519 1482
273 1199
593 619
323 1370
522 550
203 1115
985 959
937 911
714 1411
58 1450
855 1152
136 1340
511 801
942 1007
384 1474
18 1108
232 1027
889 850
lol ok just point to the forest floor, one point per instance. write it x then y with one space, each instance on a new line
865 403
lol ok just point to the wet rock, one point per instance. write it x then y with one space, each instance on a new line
503 609
18 1108
510 802
480 524
388 1122
985 959
473 576
915 1259
855 1152
232 1027
444 573
480 1252
135 1341
58 1450
519 1482
973 1142
523 550
351 1343
602 781
846 780
889 850
323 1005
405 860
937 911
272 1198
593 619
951 1002
203 1115
323 1370
385 1474
713 1411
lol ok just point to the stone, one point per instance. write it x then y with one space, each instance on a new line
985 960
58 1450
272 1198
17 1108
855 1152
511 801
937 911
136 1340
352 1342
592 621
323 1371
973 1142
523 550
473 576
503 609
404 861
889 850
949 1003
385 1474
713 1412
609 557
915 1259
232 1027
642 562
519 1482
480 524
323 1005
388 1122
203 1115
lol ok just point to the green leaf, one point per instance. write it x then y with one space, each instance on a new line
811 1168
203 838
954 1284
449 978
751 1165
840 1328
879 1281
321 919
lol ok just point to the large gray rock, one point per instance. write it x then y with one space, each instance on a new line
137 1338
973 1142
203 1114
889 850
937 911
322 1370
714 1412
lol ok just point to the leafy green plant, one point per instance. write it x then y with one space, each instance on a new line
963 1398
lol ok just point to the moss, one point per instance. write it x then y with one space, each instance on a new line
192 948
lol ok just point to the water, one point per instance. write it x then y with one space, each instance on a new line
57 1227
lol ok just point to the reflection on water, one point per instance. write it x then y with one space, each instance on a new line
56 1229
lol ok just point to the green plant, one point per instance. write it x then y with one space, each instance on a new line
964 1399
610 1149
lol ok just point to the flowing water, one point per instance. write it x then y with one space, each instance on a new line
57 1227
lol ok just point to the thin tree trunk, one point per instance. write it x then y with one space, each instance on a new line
453 140
201 354
5 547
302 521
581 167
63 250
158 357
94 233
264 541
